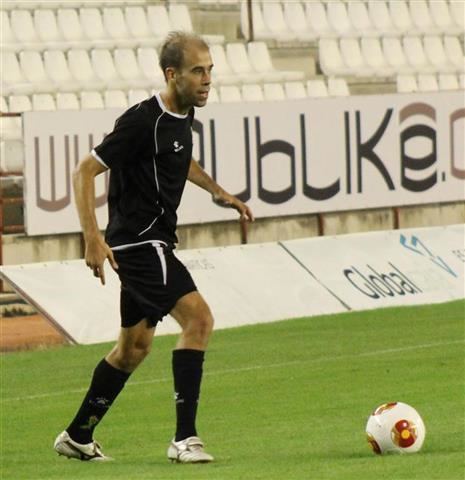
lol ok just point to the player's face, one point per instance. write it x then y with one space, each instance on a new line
194 78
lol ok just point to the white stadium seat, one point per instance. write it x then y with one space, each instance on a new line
261 31
71 29
104 67
10 127
222 72
330 57
47 29
406 83
421 16
82 71
34 70
148 63
261 60
427 82
273 91
360 19
92 26
213 95
395 56
115 99
436 54
337 87
380 17
317 88
400 16
352 57
230 94
91 100
67 101
43 102
441 16
454 51
127 66
274 19
415 55
252 93
374 56
180 18
13 78
138 25
238 59
457 8
295 90
115 26
9 42
338 18
23 29
296 21
317 19
57 70
136 96
159 22
448 81
19 103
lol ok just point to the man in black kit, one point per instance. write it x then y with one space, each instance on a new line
149 156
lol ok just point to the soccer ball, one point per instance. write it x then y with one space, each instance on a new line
395 427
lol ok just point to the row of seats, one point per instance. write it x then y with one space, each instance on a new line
54 4
94 28
390 55
307 20
425 82
31 71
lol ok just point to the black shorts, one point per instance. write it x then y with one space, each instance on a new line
152 281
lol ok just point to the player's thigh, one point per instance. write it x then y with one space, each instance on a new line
192 311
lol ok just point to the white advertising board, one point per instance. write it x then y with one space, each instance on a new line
283 158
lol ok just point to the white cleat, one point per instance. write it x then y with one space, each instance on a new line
66 446
189 450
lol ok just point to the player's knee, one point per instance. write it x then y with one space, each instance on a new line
201 326
130 357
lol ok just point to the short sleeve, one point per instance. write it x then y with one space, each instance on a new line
122 145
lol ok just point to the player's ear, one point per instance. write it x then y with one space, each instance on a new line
170 73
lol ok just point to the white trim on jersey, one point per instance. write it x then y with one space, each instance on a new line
98 158
161 256
129 245
163 107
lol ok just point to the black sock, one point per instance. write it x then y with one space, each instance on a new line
107 382
187 372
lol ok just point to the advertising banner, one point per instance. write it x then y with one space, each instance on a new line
283 158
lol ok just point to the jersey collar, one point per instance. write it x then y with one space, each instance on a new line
163 107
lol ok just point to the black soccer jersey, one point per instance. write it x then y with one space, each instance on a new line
148 154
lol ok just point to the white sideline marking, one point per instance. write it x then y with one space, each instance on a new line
251 367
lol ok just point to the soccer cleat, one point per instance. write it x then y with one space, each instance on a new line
189 450
91 452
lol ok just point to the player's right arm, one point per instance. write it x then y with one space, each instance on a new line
84 193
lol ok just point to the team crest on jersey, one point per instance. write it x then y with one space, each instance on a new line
177 146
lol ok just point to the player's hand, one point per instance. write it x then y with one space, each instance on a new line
97 251
227 200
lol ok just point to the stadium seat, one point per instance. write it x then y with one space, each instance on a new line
128 68
159 22
273 91
395 56
71 29
136 96
260 30
238 59
92 26
82 71
19 103
252 93
317 19
352 57
47 29
436 54
295 90
138 25
427 82
23 29
374 57
338 18
360 19
296 21
222 72
457 9
274 20
13 78
380 17
213 95
337 87
115 26
441 16
317 88
10 127
9 42
448 81
462 81
67 101
57 70
400 16
230 94
43 102
406 83
454 51
331 61
415 55
259 56
104 67
91 100
34 70
421 17
148 63
115 99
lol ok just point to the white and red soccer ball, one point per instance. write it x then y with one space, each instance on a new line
395 427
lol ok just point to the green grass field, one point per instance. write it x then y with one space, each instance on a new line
284 401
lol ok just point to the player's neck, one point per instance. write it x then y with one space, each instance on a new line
171 102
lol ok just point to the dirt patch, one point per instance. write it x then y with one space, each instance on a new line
27 333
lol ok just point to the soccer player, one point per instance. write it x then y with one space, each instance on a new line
149 154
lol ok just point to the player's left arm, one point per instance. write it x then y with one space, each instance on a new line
200 177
